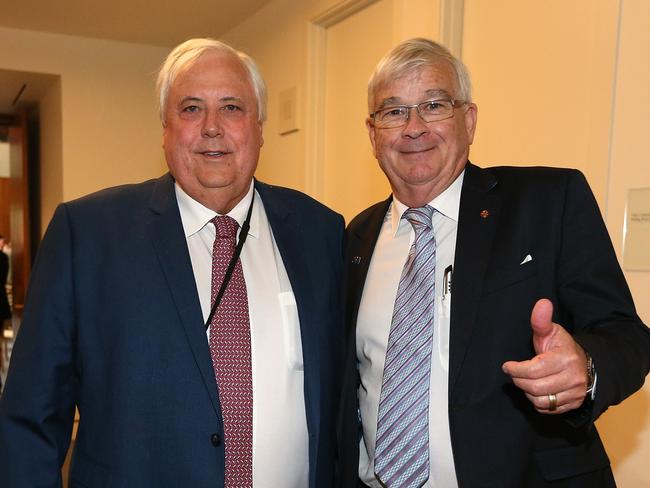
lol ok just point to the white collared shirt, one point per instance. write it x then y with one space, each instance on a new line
280 437
373 327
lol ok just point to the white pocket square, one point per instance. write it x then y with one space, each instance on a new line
527 259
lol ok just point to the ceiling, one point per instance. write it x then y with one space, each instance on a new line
160 23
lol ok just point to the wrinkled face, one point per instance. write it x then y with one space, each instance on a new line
422 158
211 135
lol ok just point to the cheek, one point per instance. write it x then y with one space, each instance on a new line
454 135
168 143
178 152
180 133
381 146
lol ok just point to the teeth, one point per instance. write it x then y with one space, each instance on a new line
216 153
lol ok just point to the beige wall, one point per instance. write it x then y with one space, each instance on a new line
544 76
626 428
350 174
281 39
276 37
106 131
51 143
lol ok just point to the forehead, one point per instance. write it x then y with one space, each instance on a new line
211 71
429 81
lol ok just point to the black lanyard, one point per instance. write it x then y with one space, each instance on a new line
243 234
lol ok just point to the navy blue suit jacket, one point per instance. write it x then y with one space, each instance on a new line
113 325
498 439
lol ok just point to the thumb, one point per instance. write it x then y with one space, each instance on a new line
541 321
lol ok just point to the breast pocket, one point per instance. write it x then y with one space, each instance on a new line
504 278
291 330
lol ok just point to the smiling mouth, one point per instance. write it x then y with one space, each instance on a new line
417 151
213 154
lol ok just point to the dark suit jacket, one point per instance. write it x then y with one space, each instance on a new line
113 325
498 439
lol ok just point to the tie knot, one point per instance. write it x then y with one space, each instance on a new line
226 226
419 216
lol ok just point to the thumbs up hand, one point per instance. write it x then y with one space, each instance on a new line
555 380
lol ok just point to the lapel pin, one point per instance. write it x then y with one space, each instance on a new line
485 214
356 260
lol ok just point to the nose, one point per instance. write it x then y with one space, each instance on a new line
415 125
211 126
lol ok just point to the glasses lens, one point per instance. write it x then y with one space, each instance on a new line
429 111
433 110
391 116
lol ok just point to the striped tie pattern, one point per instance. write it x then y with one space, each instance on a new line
230 348
402 444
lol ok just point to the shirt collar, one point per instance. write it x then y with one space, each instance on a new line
447 203
195 216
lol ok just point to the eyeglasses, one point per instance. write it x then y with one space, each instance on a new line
429 111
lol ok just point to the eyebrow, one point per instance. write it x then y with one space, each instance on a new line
231 99
432 94
199 99
190 99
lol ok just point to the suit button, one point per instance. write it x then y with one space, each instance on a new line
215 439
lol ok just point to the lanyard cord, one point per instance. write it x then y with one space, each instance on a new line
243 234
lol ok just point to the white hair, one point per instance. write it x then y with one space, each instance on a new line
188 52
413 54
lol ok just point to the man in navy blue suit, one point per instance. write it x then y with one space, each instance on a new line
118 319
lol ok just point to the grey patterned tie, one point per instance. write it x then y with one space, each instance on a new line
402 445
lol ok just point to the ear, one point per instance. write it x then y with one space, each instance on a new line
371 134
260 125
470 121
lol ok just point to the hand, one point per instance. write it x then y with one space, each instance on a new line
559 367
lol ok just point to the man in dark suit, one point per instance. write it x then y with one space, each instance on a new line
118 318
489 323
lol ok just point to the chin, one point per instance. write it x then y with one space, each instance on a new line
421 173
209 183
213 175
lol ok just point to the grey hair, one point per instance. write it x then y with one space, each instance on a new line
189 51
411 55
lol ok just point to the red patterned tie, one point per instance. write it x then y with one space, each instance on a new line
230 347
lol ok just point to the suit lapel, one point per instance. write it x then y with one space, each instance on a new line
171 248
477 221
362 239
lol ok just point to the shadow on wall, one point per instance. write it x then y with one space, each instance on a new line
622 425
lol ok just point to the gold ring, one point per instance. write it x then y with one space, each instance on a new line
552 402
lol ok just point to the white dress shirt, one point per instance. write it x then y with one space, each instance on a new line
373 327
280 437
